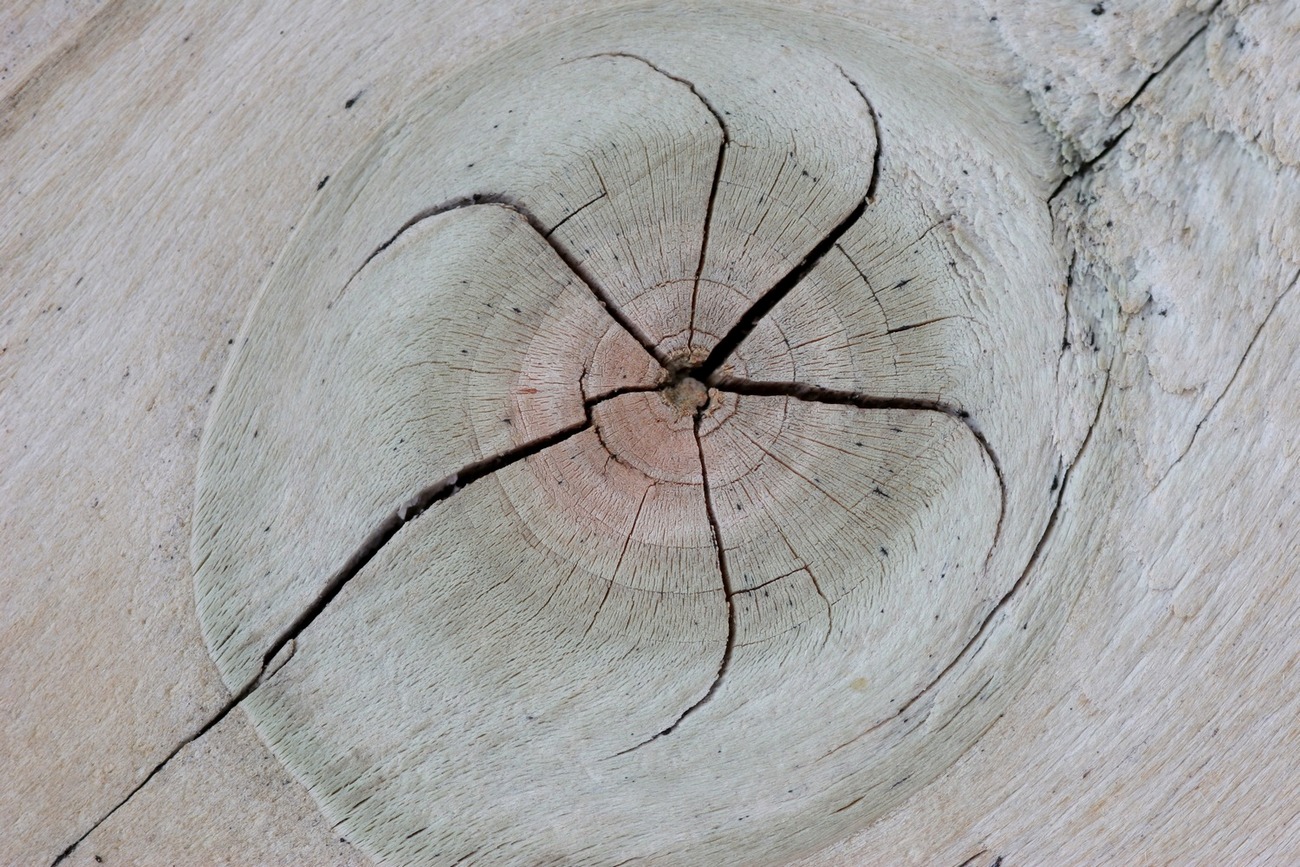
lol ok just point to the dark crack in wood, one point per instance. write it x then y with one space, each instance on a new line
1087 166
211 723
578 210
875 129
985 625
817 394
718 165
512 203
706 369
1241 362
724 665
978 639
380 536
407 512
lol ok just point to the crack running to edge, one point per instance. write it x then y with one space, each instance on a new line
875 128
717 169
724 665
817 394
1033 557
571 262
977 640
706 371
420 503
212 723
379 537
1110 143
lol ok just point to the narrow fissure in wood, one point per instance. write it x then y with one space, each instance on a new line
421 502
875 128
769 299
575 212
374 542
1087 165
922 324
817 586
817 394
706 369
1236 371
977 640
512 203
724 664
1048 528
718 164
212 723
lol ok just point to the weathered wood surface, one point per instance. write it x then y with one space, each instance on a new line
156 161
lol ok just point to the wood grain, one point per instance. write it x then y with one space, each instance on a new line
159 160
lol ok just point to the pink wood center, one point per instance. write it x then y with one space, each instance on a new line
647 423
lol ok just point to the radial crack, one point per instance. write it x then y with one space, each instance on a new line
379 537
901 328
408 511
212 723
717 168
830 617
769 299
627 542
1034 556
575 212
817 394
1087 166
1178 52
511 203
724 665
980 636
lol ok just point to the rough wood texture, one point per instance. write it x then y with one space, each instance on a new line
157 161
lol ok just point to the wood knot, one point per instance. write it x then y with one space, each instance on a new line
687 395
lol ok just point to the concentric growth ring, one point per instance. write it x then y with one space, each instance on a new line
641 450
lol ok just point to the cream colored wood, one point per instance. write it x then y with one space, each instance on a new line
413 360
460 341
158 161
225 802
